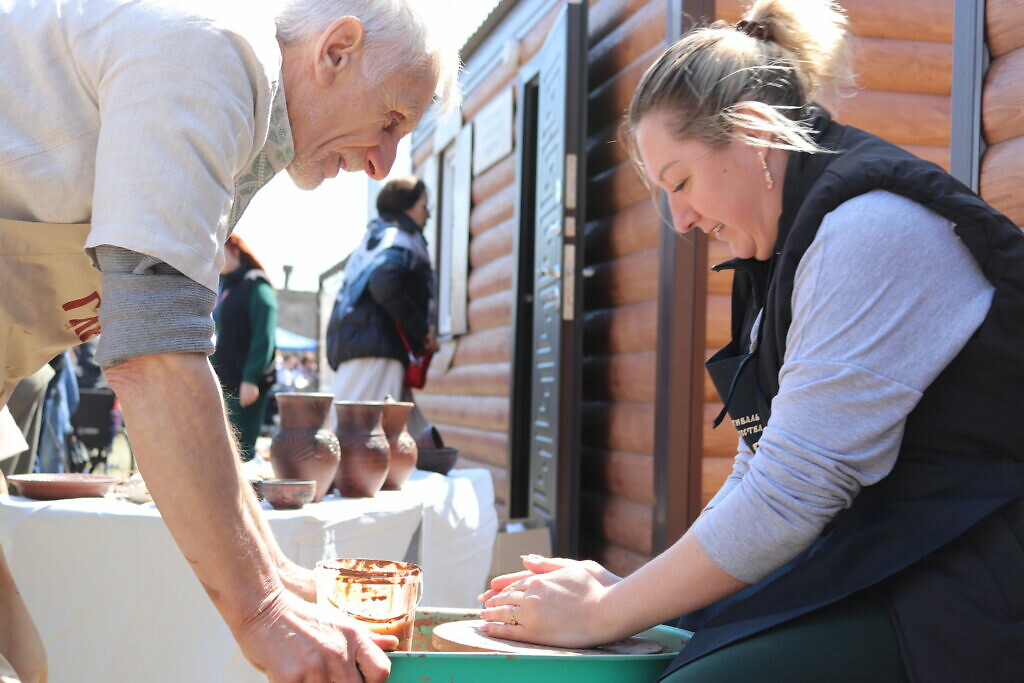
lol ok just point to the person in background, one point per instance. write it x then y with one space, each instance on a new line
245 319
388 294
26 406
872 528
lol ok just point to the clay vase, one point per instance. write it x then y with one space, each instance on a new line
302 448
365 454
403 447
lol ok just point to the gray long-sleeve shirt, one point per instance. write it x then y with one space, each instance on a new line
884 298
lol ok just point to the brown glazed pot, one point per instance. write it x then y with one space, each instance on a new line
403 447
365 454
302 448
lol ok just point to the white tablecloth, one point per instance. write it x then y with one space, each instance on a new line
114 600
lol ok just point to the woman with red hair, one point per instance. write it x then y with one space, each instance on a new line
246 317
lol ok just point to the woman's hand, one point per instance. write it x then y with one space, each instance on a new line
247 394
561 606
535 564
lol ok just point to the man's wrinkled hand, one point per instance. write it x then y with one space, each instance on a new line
293 641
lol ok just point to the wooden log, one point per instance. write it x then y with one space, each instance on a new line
492 244
1002 167
624 280
620 377
618 474
627 525
718 326
534 39
901 118
714 472
608 101
615 190
623 232
476 444
486 346
1002 103
619 426
903 65
621 329
1004 26
496 178
617 560
499 478
493 310
492 277
481 379
496 209
480 412
495 81
906 19
606 148
423 152
936 155
721 441
633 37
603 16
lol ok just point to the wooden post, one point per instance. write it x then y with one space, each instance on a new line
679 392
970 60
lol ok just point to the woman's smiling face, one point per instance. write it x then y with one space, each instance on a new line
721 190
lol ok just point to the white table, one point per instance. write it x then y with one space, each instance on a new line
114 600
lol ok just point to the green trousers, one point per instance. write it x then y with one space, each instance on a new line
852 641
247 422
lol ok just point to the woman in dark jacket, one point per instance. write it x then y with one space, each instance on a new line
873 526
383 310
246 319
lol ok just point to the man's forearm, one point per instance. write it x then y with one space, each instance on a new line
175 416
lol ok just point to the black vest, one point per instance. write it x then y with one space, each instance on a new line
234 331
943 534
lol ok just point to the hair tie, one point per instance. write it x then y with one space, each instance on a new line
754 29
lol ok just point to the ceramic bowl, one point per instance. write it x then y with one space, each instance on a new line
288 494
440 460
63 485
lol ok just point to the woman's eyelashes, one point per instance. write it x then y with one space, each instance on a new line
679 186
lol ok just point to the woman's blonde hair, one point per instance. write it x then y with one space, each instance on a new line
726 82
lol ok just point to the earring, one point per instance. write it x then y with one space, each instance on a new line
768 180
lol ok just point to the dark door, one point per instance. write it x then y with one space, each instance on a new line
554 88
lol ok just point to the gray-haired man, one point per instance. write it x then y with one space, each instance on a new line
132 136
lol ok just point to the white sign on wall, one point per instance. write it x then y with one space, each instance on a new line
492 132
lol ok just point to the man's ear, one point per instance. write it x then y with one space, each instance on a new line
336 48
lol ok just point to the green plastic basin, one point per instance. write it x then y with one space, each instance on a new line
423 665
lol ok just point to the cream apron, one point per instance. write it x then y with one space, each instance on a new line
49 301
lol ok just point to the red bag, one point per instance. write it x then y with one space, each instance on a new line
416 371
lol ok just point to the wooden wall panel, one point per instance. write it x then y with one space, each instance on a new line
493 310
1001 171
912 66
1002 104
620 296
492 244
1004 25
901 118
482 379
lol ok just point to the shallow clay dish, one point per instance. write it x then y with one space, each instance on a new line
288 494
61 486
440 460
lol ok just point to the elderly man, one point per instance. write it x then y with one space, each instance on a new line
132 136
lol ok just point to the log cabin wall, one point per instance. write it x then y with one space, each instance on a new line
903 58
1002 109
468 400
620 296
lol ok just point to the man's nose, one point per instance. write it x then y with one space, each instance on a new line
381 158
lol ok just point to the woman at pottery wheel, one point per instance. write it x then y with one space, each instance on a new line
872 525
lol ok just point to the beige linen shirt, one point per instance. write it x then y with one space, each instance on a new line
145 119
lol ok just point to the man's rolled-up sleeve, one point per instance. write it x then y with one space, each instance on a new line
150 308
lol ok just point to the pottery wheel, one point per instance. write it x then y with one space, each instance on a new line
466 636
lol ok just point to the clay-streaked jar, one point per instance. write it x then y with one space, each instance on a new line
365 454
303 447
403 445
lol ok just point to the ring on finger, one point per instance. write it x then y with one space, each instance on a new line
512 616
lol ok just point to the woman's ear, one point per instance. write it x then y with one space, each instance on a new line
336 47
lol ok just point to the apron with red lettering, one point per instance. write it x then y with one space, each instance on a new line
49 301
